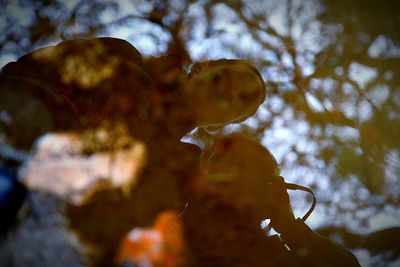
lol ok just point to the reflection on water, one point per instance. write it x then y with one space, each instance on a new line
59 166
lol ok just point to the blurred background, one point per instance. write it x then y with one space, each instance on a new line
332 112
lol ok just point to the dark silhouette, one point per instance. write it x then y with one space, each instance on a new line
12 194
238 188
223 195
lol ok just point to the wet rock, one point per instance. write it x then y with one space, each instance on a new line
60 167
42 238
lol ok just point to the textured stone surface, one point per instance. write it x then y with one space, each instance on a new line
42 237
59 167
